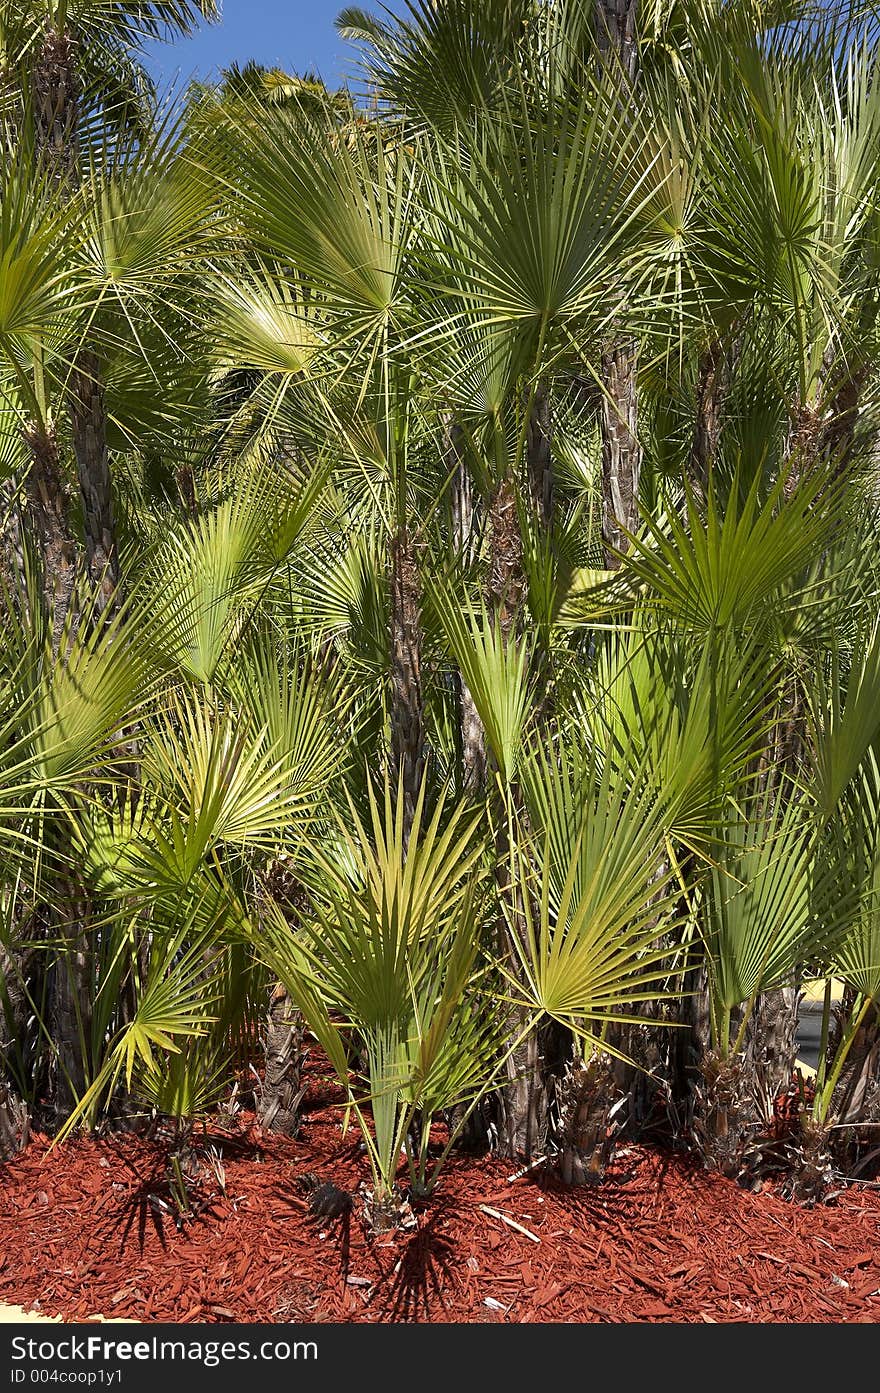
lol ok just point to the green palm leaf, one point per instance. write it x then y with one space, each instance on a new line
596 896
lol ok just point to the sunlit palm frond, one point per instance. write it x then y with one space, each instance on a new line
596 902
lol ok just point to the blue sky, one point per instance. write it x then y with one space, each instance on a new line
293 34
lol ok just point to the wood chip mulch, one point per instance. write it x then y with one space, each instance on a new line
89 1227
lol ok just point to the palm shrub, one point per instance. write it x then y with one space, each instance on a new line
839 1125
757 930
389 963
592 945
84 291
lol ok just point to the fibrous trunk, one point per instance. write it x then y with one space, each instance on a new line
56 91
12 566
812 1163
473 740
407 719
616 33
711 387
55 94
282 1087
802 448
771 1043
14 1121
523 1120
621 452
279 1103
586 1098
48 509
56 109
816 438
735 1104
616 39
56 106
71 999
523 1103
636 1075
688 1045
14 1115
840 430
727 1124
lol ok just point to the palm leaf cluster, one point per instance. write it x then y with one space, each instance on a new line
440 576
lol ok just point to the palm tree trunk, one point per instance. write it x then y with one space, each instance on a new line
735 1096
616 22
89 422
727 1120
814 440
70 1008
616 33
14 1121
55 99
278 1106
506 582
688 1046
56 90
48 508
407 718
282 1087
584 1135
12 566
771 1055
633 1082
837 437
56 94
802 448
523 1112
711 389
621 451
812 443
855 1106
771 1043
539 457
56 105
473 736
14 1114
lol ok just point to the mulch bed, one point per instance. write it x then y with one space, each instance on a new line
89 1228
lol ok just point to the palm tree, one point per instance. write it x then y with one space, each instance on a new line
66 95
617 43
43 365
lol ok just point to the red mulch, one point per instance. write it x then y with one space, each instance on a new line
88 1228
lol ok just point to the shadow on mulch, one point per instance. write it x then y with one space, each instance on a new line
151 1206
90 1226
148 1204
426 1261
